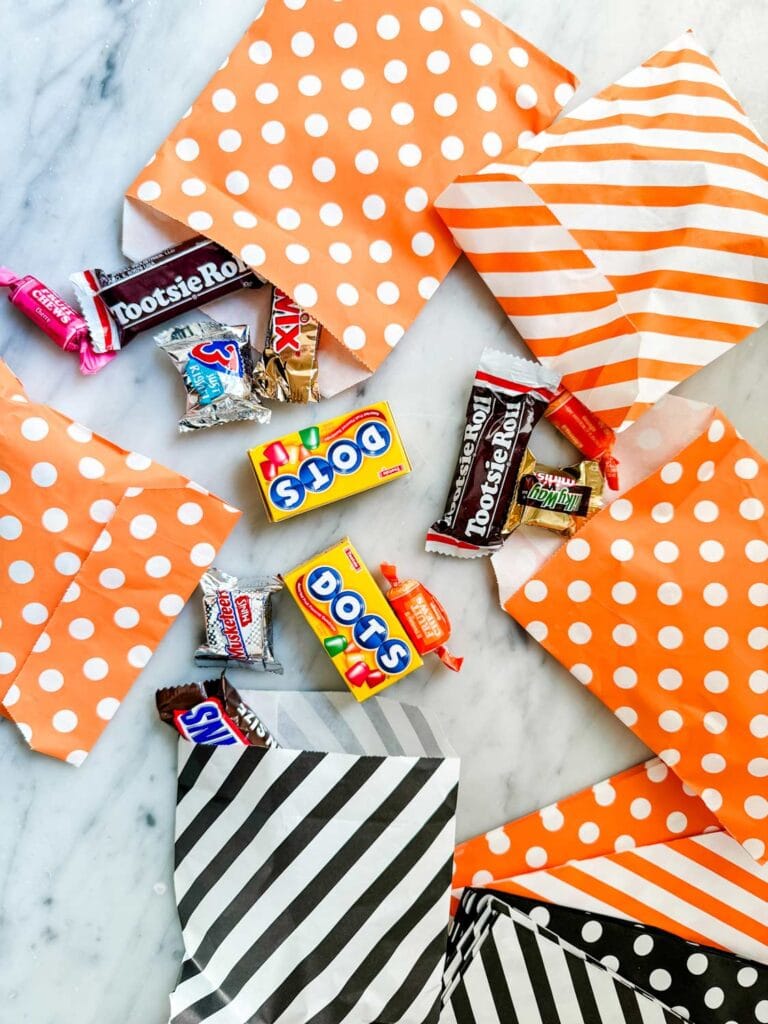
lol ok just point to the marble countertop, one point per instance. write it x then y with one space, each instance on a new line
88 931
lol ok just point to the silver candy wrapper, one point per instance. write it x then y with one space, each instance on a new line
216 365
238 622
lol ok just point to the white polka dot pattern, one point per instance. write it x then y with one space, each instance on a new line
682 631
63 571
321 107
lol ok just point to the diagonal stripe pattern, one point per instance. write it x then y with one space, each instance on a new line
312 887
627 243
506 969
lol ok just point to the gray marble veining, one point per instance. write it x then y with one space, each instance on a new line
88 89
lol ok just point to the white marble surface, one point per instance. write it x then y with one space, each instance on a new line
89 88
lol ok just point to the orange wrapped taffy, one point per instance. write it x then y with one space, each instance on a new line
421 615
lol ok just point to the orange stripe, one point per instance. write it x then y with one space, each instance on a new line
555 346
676 884
671 122
665 89
543 305
623 902
688 281
627 370
534 215
521 262
670 58
698 238
615 417
582 152
685 327
649 195
709 859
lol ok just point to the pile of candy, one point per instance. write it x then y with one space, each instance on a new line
508 957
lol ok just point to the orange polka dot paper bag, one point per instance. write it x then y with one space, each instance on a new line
628 243
658 606
316 150
99 551
640 845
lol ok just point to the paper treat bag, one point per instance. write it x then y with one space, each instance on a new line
314 885
99 550
638 846
316 150
627 243
658 606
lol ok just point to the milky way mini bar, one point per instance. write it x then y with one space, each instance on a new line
118 306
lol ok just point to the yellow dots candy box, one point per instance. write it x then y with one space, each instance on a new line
345 607
329 461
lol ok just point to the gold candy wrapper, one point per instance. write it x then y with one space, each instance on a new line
555 499
288 368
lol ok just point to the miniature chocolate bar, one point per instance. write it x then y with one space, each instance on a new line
215 362
238 622
212 712
287 370
556 499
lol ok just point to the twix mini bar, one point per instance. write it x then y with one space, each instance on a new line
347 611
288 368
329 461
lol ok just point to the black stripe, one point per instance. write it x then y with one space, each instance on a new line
497 983
585 997
376 961
366 904
218 802
538 974
462 1006
413 985
628 998
308 828
283 787
198 758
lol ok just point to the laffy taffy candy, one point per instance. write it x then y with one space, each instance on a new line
425 620
345 607
329 461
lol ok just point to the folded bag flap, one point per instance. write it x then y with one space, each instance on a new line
351 145
102 548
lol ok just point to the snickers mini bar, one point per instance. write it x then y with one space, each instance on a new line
212 712
117 306
329 461
349 614
508 398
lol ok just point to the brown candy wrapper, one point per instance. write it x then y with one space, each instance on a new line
556 499
212 712
288 368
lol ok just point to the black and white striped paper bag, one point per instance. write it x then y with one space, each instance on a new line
506 969
313 886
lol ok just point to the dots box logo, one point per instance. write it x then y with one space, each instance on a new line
330 461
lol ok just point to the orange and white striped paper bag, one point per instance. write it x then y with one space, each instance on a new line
628 243
639 846
317 149
100 549
657 605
